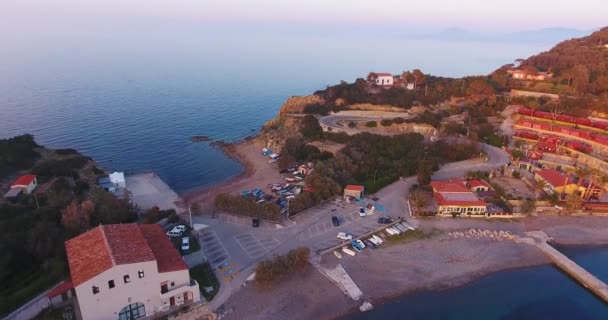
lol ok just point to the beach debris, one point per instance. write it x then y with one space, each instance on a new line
494 235
366 306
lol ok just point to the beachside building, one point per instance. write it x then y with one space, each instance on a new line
454 198
477 185
113 182
558 182
25 184
354 191
381 79
127 271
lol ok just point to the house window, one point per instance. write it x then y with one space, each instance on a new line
95 289
164 288
140 273
126 278
172 284
111 284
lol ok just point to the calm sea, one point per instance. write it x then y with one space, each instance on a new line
132 100
536 293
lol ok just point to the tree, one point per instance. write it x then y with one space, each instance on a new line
539 187
419 200
582 173
310 128
424 173
572 202
77 217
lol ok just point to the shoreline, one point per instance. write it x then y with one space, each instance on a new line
256 173
435 264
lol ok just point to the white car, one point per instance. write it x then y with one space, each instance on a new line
177 231
361 212
185 243
344 236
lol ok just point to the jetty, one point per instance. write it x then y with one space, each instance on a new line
539 239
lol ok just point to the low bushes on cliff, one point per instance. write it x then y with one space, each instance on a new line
268 272
248 207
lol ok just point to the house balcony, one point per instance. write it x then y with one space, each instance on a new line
182 294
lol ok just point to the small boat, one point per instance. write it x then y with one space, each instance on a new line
348 251
378 239
337 254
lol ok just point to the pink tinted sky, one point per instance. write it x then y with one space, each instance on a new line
479 15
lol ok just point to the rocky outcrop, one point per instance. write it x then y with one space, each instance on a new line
296 104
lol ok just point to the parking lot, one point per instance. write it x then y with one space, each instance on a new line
212 247
256 247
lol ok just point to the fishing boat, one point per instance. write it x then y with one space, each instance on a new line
337 254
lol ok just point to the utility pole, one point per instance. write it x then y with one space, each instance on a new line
190 213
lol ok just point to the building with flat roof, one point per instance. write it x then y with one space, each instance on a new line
454 198
127 271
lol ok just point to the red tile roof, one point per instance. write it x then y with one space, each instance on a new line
24 180
98 250
554 177
449 186
167 257
469 200
61 288
353 187
478 183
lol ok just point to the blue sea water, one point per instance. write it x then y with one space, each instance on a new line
132 99
536 293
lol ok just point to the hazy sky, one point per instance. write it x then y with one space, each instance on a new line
476 15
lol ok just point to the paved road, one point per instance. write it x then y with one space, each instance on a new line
235 244
331 121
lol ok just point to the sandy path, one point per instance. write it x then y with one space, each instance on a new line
258 173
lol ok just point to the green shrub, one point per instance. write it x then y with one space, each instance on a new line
268 272
371 124
386 122
246 206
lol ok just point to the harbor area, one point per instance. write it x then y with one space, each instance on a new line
149 190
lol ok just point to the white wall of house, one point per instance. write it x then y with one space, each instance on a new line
108 303
384 80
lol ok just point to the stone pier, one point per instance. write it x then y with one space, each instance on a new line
589 281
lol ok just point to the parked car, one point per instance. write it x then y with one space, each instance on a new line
361 212
385 220
255 222
335 221
185 243
177 231
344 236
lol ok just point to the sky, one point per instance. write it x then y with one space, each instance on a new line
473 15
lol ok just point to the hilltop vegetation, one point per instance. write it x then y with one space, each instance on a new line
581 63
33 230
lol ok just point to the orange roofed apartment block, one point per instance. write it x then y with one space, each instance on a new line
127 271
454 198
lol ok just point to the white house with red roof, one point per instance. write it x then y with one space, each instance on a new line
353 190
454 198
382 79
127 271
478 185
25 184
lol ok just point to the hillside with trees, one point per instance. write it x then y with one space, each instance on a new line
34 228
580 63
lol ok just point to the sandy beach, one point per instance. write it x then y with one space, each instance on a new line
432 264
257 173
